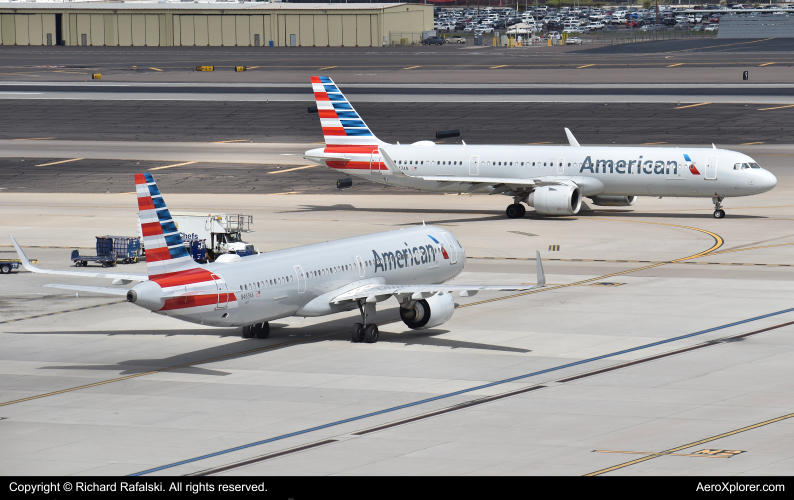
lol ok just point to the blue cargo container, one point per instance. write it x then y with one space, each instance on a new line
126 248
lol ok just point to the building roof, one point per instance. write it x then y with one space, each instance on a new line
258 6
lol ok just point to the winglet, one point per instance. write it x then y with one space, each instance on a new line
23 258
571 139
713 146
390 164
541 274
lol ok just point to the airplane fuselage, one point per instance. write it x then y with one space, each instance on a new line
597 170
301 281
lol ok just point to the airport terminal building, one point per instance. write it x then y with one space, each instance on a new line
253 24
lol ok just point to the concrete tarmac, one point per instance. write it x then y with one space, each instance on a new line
170 391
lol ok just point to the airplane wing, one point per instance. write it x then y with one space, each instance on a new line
106 290
116 276
377 292
509 181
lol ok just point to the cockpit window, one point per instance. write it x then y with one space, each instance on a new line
754 165
742 166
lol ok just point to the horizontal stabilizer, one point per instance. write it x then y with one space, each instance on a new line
395 171
105 290
88 274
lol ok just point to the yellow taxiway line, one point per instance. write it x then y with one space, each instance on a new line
292 169
779 107
692 105
59 162
174 165
689 445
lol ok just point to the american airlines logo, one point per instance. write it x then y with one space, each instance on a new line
407 257
638 166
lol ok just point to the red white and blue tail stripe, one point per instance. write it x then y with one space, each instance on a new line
349 143
165 250
341 123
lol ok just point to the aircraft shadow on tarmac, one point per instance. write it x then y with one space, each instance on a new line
183 363
499 215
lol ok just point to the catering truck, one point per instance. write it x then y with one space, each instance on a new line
221 232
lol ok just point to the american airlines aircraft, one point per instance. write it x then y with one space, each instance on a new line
552 179
314 280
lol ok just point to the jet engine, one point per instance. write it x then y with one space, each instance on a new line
613 201
556 200
429 312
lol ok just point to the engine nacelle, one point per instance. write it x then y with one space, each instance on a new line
429 312
613 201
556 200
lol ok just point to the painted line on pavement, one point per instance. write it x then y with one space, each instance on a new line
466 391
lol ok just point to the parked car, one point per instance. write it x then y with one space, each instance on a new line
456 39
635 23
433 40
573 41
712 27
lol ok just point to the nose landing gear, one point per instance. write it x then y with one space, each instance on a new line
719 213
363 332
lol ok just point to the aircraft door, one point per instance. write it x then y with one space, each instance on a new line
560 165
301 279
223 292
474 165
374 162
711 167
453 253
360 264
675 180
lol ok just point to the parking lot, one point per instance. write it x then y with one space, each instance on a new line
588 24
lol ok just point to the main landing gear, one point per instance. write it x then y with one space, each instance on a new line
719 213
363 332
259 330
516 210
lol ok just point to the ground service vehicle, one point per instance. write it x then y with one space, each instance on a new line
7 265
222 233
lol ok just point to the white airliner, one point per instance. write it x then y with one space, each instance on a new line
552 179
314 280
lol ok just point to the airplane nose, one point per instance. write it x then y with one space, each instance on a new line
768 181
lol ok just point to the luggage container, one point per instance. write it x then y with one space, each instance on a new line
126 248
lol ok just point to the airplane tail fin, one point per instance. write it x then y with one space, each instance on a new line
165 250
341 123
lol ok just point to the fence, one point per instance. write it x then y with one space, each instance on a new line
396 38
